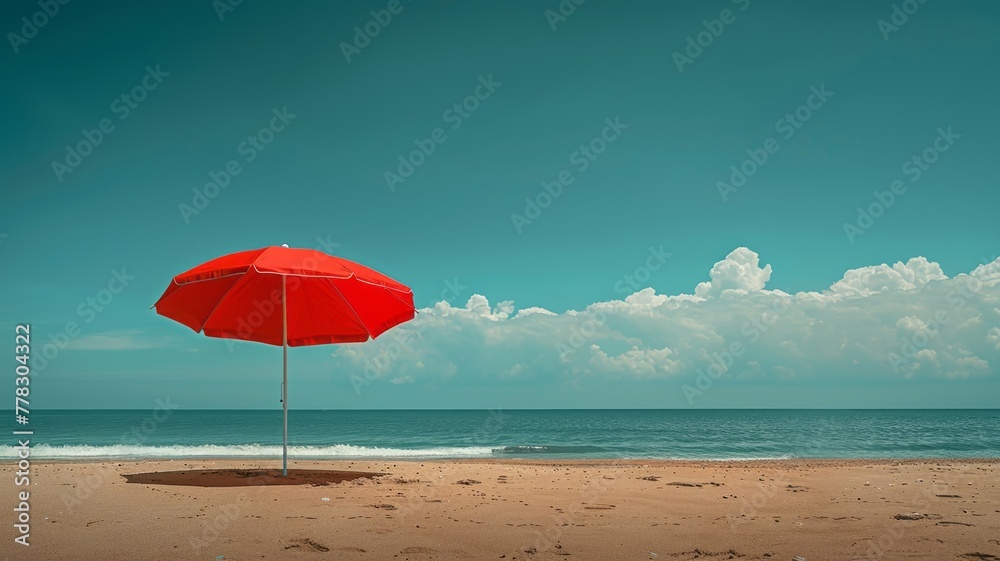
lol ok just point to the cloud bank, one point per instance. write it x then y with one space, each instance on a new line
906 320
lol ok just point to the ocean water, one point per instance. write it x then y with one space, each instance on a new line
647 434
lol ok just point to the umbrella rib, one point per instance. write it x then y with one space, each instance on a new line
397 297
208 279
217 304
300 274
408 289
350 276
361 323
353 311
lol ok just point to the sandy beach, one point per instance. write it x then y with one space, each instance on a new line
183 509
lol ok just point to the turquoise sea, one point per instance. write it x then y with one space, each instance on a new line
652 434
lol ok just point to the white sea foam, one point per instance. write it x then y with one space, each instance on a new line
45 451
83 452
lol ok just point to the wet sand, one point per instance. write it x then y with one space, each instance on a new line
243 510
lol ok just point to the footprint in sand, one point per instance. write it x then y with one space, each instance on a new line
703 554
384 506
308 543
418 550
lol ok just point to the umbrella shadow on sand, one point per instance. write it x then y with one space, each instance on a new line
247 477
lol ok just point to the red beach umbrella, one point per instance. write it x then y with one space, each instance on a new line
289 297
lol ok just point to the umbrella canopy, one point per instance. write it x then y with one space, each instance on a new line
286 296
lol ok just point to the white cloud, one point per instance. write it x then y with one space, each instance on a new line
738 272
120 340
908 320
993 336
866 281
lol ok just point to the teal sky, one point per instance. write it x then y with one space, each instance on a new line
321 182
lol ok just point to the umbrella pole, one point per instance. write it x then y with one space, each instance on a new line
284 376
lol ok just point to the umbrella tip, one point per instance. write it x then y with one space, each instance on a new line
284 245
